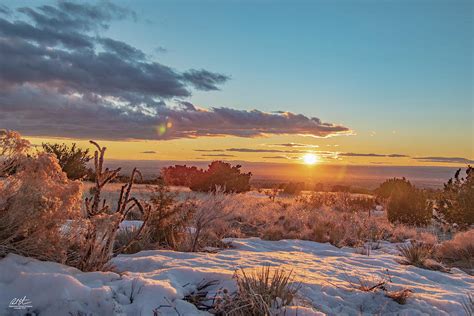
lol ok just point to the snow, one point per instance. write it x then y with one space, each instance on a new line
159 279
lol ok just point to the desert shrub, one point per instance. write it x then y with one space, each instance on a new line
386 188
72 159
408 205
127 241
35 204
456 202
459 251
293 188
210 221
13 149
169 219
263 291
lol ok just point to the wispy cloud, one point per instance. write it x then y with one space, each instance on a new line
294 145
217 155
148 152
209 150
276 157
88 85
458 160
371 155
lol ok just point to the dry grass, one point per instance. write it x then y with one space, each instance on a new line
399 296
263 291
415 253
458 252
420 254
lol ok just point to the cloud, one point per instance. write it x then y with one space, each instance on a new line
275 157
253 150
148 152
209 150
371 155
458 160
217 155
295 145
61 77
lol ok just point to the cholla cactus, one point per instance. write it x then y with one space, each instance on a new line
97 246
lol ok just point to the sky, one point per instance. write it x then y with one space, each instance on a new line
354 82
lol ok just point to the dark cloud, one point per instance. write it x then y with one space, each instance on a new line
203 79
458 160
371 155
5 10
121 49
60 77
148 152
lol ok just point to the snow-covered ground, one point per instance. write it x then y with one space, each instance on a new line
158 280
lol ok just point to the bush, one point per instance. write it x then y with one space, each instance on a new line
180 175
73 160
456 202
222 175
12 150
35 204
416 253
219 175
458 252
293 188
408 205
169 220
388 187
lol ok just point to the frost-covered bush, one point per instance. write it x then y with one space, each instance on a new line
35 203
12 150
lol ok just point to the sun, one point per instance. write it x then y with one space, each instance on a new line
310 159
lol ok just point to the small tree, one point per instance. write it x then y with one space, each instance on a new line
385 190
408 205
224 176
456 202
180 175
73 160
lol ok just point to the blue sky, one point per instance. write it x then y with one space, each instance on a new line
373 65
401 70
